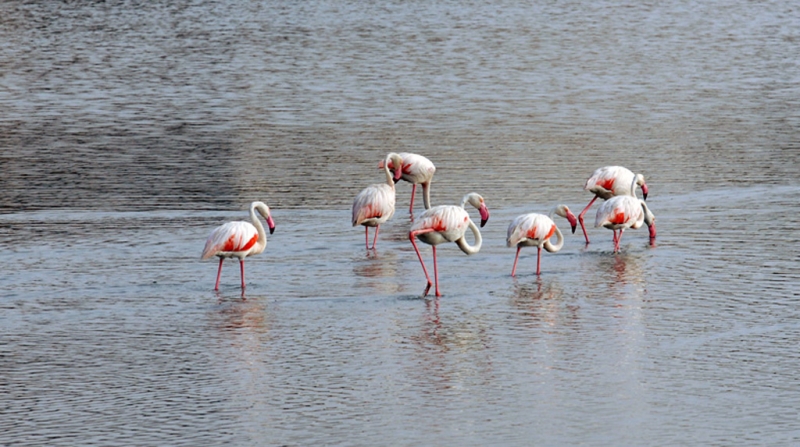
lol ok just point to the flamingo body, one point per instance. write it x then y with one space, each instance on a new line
239 239
608 182
623 212
535 230
447 223
417 170
374 205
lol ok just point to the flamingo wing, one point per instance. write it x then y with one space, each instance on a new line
534 228
373 202
619 211
416 168
448 222
232 237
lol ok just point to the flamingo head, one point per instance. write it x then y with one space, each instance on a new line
395 163
652 231
476 200
563 211
271 224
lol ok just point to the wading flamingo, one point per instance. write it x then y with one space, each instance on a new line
535 230
608 182
622 212
447 223
374 205
239 239
416 170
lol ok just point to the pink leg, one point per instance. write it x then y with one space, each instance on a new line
241 266
366 236
219 273
539 261
619 239
435 272
375 240
413 190
412 236
580 218
514 269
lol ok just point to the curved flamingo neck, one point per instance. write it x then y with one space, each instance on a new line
464 245
264 211
554 248
389 178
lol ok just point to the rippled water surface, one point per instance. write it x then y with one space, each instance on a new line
129 130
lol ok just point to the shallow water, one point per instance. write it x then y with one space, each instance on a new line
129 131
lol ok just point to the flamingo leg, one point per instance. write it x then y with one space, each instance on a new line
413 190
375 240
436 272
619 239
219 273
539 261
514 269
241 266
580 218
366 236
412 236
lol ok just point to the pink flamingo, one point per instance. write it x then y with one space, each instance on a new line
374 205
447 223
239 239
416 170
608 182
623 212
536 230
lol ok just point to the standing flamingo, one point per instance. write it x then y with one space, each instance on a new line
239 239
535 230
447 223
416 170
374 205
608 182
623 212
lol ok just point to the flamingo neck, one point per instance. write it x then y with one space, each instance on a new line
554 248
262 209
389 178
464 245
648 218
426 195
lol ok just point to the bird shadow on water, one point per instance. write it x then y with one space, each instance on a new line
543 301
239 313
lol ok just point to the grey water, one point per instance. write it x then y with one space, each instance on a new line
129 130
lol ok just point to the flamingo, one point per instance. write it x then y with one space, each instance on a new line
239 239
608 182
447 223
535 230
623 212
374 205
416 170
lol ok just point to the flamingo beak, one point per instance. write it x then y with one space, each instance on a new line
484 214
573 222
271 225
644 191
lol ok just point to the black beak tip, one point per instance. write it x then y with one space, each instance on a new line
483 222
271 230
645 196
573 228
